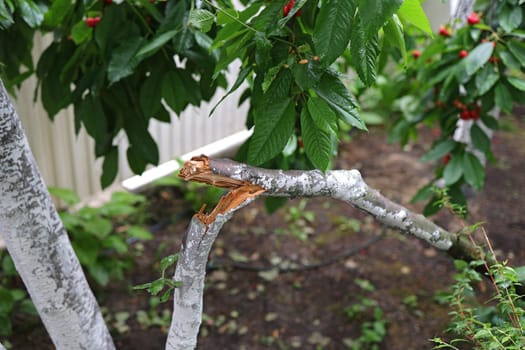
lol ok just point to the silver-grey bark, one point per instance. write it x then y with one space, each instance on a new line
345 185
40 247
191 271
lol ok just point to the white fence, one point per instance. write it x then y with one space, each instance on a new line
66 160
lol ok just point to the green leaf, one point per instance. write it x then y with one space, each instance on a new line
272 204
518 83
7 301
509 60
510 17
173 91
139 232
335 93
274 120
136 162
364 53
56 13
98 226
150 94
273 127
31 13
317 142
423 193
485 79
518 50
109 167
144 148
473 170
480 140
439 150
374 13
306 75
412 11
80 32
474 61
394 35
503 98
332 30
243 73
155 44
92 115
69 197
6 20
323 117
453 170
86 249
168 261
99 273
116 243
123 59
201 19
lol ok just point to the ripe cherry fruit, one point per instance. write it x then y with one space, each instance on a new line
416 53
92 21
288 7
473 18
463 54
444 31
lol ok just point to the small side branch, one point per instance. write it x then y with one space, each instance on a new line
193 257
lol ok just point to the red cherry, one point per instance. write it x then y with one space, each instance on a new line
463 54
108 2
473 18
444 31
416 53
92 21
465 114
288 7
446 159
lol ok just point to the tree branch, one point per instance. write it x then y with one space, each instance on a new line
191 271
349 186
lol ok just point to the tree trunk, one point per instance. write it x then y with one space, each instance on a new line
40 247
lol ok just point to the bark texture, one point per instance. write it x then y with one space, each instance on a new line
40 247
191 271
348 186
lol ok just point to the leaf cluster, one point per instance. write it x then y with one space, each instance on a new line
102 236
298 100
485 326
141 60
469 74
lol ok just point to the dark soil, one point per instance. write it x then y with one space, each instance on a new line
249 309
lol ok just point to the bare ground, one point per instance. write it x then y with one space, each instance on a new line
250 309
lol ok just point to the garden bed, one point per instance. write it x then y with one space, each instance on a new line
250 305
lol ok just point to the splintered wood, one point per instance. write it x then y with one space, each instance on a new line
198 169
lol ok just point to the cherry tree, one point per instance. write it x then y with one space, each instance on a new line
114 62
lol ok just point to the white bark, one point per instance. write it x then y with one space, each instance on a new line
345 185
40 247
191 271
